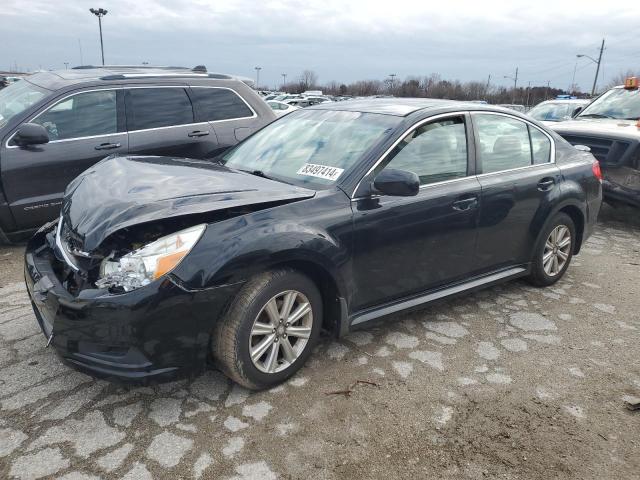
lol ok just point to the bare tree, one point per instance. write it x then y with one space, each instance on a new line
621 77
308 80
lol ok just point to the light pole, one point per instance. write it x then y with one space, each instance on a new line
284 80
66 65
572 87
597 62
258 77
515 84
100 12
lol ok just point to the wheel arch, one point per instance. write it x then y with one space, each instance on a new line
578 220
332 290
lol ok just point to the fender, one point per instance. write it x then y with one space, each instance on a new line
235 249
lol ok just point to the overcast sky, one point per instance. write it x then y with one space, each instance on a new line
342 40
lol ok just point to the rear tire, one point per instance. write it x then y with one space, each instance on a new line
553 252
269 329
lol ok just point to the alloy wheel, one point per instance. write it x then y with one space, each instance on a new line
556 250
281 331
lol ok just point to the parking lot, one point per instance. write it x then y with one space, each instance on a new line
512 382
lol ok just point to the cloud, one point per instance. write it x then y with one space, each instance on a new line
340 40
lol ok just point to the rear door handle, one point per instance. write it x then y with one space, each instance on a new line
198 133
107 146
465 204
546 184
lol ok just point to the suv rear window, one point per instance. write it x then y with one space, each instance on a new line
219 104
158 107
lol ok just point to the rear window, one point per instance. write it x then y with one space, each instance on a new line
158 107
219 104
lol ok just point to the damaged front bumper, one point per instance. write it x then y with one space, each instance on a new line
160 331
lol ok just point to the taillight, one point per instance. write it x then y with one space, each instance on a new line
595 168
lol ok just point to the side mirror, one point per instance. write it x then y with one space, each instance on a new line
31 134
398 183
576 111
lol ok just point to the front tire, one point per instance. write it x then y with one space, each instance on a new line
269 329
554 251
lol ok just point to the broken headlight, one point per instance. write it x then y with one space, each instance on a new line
142 266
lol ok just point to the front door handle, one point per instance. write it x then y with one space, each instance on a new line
198 133
107 146
546 184
465 204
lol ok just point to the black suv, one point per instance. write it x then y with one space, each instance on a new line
54 125
334 216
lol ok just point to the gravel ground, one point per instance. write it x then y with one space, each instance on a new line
513 382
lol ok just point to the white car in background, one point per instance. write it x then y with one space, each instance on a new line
553 111
281 108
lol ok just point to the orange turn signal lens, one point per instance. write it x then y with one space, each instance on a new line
167 263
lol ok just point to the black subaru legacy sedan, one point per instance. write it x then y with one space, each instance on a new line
329 218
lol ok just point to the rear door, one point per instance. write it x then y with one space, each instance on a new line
519 179
228 114
162 121
83 128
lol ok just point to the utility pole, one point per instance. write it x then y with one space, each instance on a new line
100 12
546 95
572 87
257 77
66 65
515 85
488 83
528 93
392 84
80 47
284 80
595 80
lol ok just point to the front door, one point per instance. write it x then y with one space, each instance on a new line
519 181
406 245
83 129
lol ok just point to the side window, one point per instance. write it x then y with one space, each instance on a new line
220 104
504 142
541 146
435 152
158 107
82 115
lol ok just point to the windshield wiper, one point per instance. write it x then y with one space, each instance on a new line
595 115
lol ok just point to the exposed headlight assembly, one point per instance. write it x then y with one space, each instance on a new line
142 266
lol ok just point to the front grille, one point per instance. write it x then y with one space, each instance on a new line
606 150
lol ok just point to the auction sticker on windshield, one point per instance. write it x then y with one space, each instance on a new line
320 171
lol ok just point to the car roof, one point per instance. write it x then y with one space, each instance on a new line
55 79
400 107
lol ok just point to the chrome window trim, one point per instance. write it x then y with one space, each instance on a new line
168 126
401 137
552 152
72 94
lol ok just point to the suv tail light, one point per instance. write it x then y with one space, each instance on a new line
595 168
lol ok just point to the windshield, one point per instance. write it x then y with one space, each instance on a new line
16 98
553 112
310 148
618 103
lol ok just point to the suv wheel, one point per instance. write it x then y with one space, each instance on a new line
269 330
554 251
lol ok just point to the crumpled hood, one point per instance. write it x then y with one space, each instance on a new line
119 192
